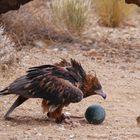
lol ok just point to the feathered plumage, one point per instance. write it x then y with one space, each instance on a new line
58 85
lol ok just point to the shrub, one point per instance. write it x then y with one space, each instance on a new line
7 50
113 12
70 16
28 24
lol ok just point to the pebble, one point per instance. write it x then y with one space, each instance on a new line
62 128
40 44
72 136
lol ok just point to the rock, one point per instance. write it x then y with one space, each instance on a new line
72 136
40 44
7 5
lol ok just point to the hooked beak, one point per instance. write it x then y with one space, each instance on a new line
101 93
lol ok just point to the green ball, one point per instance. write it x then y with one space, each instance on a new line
95 114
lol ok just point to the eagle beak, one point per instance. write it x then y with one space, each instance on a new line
101 93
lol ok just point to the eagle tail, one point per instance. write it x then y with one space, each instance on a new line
4 92
17 103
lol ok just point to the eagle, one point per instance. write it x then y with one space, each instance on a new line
57 85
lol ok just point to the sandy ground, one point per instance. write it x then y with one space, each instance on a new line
120 80
115 56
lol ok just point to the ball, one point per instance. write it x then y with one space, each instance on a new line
95 114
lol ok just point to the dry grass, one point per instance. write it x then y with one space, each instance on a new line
7 50
70 16
113 12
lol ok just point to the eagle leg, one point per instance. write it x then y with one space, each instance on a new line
45 106
55 112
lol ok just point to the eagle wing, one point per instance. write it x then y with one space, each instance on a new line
74 67
60 72
46 86
72 71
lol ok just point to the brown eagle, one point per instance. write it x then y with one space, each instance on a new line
58 85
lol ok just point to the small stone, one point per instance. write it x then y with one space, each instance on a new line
39 134
62 128
72 136
55 49
40 44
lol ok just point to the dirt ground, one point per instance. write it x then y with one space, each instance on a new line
115 56
120 80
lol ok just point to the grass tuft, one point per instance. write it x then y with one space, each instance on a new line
113 12
70 16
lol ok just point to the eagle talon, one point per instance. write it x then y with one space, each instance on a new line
67 119
71 123
63 118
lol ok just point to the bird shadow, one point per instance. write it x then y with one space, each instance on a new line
33 121
28 120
